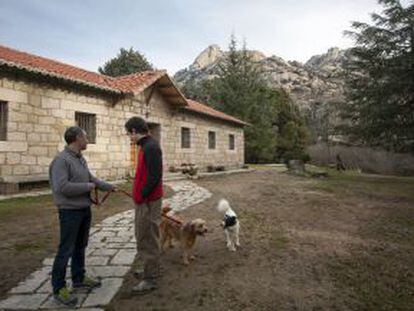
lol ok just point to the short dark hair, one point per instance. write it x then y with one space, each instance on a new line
138 124
72 133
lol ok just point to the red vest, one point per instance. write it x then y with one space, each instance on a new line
140 180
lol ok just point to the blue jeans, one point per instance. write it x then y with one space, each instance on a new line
74 234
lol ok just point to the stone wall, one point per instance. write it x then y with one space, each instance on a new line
171 120
38 117
39 114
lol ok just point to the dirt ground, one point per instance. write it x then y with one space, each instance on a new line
306 245
340 243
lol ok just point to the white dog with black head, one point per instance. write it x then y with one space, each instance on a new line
230 224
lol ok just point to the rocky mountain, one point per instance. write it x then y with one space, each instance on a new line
317 81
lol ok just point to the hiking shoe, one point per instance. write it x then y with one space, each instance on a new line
64 296
144 287
88 283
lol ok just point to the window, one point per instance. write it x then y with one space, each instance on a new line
4 112
211 140
231 141
185 137
87 121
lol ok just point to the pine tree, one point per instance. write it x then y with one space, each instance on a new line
125 63
239 90
380 79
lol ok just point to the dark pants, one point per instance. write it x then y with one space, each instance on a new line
74 234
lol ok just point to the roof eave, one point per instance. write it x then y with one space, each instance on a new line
60 77
239 123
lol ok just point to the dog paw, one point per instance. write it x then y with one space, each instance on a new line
186 262
192 257
231 247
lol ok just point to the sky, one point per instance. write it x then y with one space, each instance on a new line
171 33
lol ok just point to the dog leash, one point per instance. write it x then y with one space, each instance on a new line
176 221
95 200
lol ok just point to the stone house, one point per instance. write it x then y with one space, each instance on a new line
40 98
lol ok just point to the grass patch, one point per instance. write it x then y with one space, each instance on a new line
349 183
31 245
265 167
15 205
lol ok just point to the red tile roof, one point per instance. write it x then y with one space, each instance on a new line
129 84
138 82
45 66
207 110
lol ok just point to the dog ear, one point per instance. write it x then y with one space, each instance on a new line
190 227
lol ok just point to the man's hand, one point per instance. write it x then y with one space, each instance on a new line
91 185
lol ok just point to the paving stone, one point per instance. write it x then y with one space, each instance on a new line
124 257
108 271
115 239
126 233
97 245
90 250
51 303
48 261
97 260
96 239
105 234
46 288
108 229
116 245
32 282
103 295
93 230
131 245
23 302
104 252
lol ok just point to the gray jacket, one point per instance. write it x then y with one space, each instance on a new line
69 177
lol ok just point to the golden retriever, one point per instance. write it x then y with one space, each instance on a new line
172 228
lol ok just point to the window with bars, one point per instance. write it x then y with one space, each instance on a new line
4 114
185 137
231 141
87 121
211 140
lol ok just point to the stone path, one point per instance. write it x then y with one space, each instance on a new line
109 255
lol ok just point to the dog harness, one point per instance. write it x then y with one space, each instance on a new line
229 221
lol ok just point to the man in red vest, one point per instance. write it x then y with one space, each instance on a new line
147 195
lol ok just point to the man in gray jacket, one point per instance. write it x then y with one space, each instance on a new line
71 183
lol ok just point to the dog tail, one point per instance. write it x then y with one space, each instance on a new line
223 206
